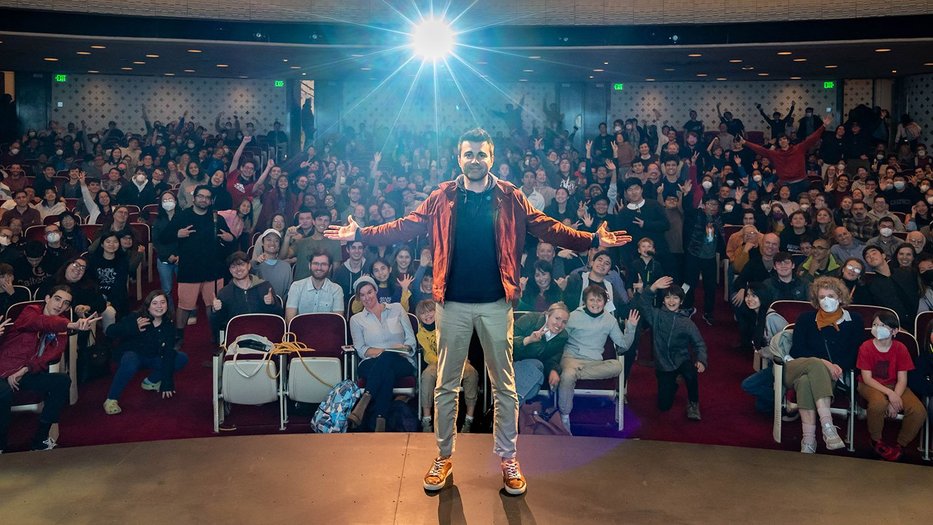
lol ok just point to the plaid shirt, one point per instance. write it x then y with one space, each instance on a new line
862 230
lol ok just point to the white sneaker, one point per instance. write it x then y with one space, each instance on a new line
565 419
831 437
48 444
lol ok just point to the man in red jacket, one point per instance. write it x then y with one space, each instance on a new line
790 160
477 225
36 339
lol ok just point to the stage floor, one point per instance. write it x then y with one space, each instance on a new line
376 478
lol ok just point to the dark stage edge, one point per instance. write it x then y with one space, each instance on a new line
376 478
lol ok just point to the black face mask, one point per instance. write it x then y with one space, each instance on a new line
927 277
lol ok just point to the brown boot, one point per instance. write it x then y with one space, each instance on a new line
356 415
380 424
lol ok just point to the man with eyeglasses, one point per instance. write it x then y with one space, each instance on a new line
204 241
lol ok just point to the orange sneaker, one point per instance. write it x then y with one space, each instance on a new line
437 475
512 477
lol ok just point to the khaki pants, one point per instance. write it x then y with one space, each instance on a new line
914 414
810 378
572 369
493 324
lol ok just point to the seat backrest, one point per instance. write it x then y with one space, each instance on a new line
35 233
921 323
267 325
21 293
910 342
17 308
141 232
869 311
325 332
91 231
50 219
790 309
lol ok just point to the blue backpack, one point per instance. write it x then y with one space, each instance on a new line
331 415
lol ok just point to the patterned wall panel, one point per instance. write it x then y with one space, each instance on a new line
674 100
918 92
519 12
97 99
858 91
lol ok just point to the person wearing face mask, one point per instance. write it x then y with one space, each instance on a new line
901 196
825 346
885 238
705 241
50 205
642 217
138 192
166 248
884 363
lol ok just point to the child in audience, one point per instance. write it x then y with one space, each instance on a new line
587 330
674 334
427 339
645 268
884 363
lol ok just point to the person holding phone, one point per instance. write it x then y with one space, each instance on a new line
147 340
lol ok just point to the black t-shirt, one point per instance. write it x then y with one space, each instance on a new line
474 275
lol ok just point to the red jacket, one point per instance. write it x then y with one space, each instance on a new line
20 345
790 165
514 217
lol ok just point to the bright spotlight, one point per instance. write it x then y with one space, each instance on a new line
432 39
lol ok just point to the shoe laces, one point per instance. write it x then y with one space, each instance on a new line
50 443
511 469
438 467
830 430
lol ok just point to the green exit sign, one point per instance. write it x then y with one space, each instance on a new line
279 83
61 78
618 86
829 84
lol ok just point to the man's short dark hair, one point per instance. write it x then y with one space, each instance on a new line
871 247
236 258
200 187
596 291
540 266
320 212
675 291
782 257
476 135
59 288
6 269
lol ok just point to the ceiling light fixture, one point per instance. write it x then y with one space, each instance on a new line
152 55
702 75
831 66
534 57
98 46
195 51
795 78
695 55
170 74
93 71
84 52
763 74
189 71
598 70
432 39
649 79
735 61
883 50
222 65
784 53
139 62
721 78
50 59
126 68
800 60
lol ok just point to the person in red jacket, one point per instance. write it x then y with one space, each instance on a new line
36 339
790 160
477 225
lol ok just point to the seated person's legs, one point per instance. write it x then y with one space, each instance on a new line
529 376
130 363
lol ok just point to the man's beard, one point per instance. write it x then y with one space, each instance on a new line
474 174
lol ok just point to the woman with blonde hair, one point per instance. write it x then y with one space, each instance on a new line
825 346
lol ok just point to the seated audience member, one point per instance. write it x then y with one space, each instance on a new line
539 339
385 342
925 269
741 243
851 273
8 294
886 240
147 340
427 338
541 291
847 246
56 251
861 225
138 191
791 237
784 284
22 211
884 363
587 330
547 252
109 266
894 288
759 267
756 328
881 210
904 256
50 205
9 253
674 335
315 293
389 290
820 262
36 339
245 294
353 268
33 270
919 242
268 266
309 244
600 275
72 236
134 252
825 346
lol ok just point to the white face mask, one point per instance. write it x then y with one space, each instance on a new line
14 151
757 178
829 304
4 241
168 205
730 182
879 156
921 153
881 332
707 185
53 237
766 207
924 187
804 207
729 208
930 200
139 181
886 232
59 152
899 184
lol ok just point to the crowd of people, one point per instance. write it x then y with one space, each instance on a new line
816 211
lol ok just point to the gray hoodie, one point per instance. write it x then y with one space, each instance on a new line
674 333
586 335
